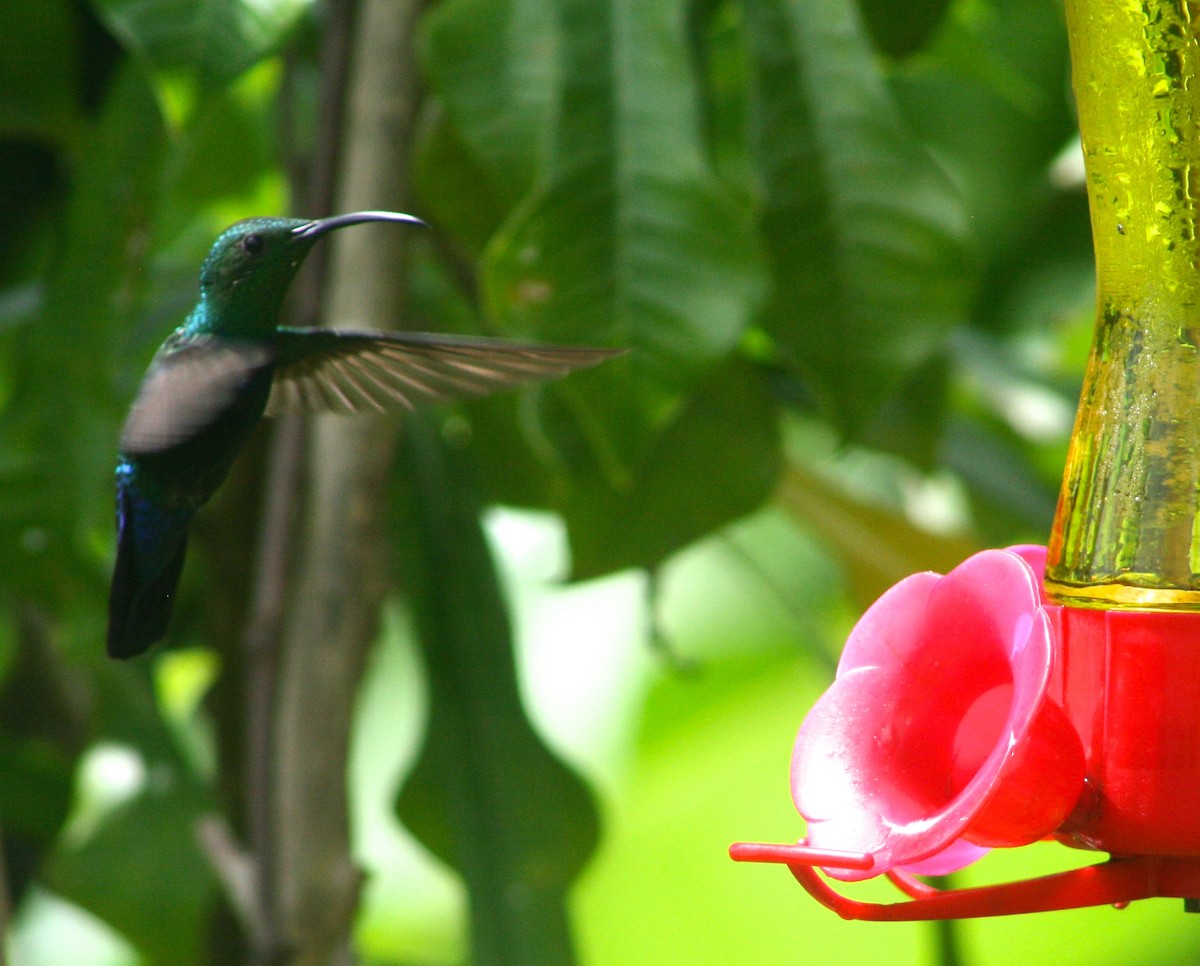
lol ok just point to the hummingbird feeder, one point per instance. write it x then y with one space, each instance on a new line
1032 692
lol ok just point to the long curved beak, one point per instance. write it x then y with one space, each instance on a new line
314 229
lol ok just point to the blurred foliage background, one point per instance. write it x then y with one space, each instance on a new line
847 243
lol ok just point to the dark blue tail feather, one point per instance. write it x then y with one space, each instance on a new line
151 545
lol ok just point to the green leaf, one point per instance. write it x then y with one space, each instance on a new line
630 240
716 461
912 422
719 50
140 868
494 65
226 151
712 768
29 192
455 190
995 105
866 233
510 471
486 796
212 40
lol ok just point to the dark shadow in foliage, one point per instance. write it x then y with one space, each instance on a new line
41 738
901 29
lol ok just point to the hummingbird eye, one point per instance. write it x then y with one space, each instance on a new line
252 244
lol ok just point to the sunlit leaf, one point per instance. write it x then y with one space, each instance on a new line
712 769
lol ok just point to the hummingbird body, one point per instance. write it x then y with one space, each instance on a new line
157 494
230 362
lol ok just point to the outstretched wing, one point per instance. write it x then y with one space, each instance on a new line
186 388
326 370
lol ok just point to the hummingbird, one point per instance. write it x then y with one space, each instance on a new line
230 363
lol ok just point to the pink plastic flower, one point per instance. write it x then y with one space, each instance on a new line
936 693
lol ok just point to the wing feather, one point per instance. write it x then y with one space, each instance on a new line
326 370
186 388
369 381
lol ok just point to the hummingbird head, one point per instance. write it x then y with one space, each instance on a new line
252 262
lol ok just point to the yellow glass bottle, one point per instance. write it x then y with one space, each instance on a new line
1127 530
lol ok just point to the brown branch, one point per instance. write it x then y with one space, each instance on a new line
342 574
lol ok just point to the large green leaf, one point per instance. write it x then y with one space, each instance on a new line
486 796
213 40
630 240
866 233
714 462
494 64
454 189
493 68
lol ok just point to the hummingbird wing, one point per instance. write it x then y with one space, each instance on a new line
188 385
327 370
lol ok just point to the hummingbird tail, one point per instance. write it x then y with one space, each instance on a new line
151 546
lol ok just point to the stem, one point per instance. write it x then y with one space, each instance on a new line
1127 531
946 934
485 795
342 577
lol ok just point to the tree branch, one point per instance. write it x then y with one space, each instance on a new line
342 577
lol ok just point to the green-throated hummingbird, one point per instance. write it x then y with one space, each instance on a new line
230 362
